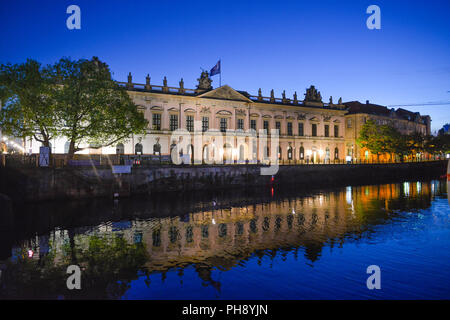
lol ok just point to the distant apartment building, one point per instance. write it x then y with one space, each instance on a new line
406 122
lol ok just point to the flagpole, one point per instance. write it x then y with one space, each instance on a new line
220 74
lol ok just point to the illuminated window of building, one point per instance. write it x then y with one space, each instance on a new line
300 129
190 123
314 130
240 124
138 148
156 121
302 153
289 128
223 124
205 124
173 122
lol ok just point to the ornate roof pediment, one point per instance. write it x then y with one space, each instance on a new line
189 110
267 116
205 110
255 115
156 108
224 113
278 116
314 119
225 92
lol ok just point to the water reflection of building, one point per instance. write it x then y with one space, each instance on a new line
221 237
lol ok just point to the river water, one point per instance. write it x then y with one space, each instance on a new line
263 244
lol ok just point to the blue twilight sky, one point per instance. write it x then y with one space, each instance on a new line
284 45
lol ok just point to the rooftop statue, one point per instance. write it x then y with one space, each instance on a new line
204 82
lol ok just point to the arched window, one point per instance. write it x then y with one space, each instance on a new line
227 153
138 149
206 153
157 149
279 153
289 153
336 153
302 153
120 149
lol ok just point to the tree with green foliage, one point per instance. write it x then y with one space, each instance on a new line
27 109
92 108
377 139
382 139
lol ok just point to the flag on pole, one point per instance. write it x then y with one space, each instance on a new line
215 70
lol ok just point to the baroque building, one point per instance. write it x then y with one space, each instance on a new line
224 125
309 130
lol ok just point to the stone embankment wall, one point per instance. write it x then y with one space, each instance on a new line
39 184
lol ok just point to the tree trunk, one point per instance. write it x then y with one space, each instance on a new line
71 150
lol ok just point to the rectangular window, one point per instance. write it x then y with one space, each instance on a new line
205 124
173 122
349 123
156 121
240 124
300 129
327 130
289 128
336 131
253 124
314 130
190 123
223 124
266 126
278 127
